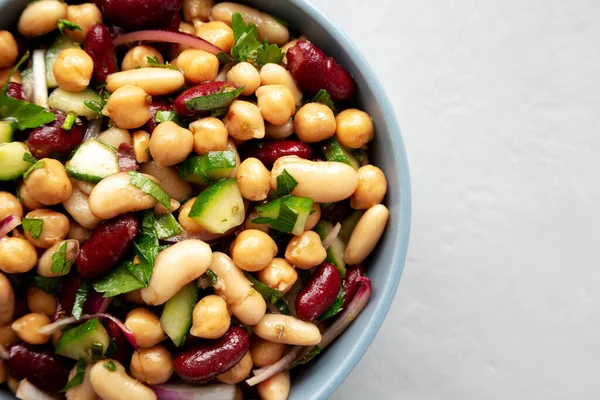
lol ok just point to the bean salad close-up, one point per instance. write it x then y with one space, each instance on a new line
187 201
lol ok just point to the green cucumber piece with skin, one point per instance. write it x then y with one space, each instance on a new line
176 318
12 165
60 43
335 151
219 207
77 342
209 167
349 224
75 102
7 131
27 82
287 214
335 252
93 161
302 206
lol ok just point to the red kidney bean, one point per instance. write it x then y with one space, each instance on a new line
319 293
52 140
106 246
134 14
98 44
171 25
68 292
313 71
127 160
15 90
40 366
203 89
205 360
351 283
95 302
336 212
156 105
123 349
270 150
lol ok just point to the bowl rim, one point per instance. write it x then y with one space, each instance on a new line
378 315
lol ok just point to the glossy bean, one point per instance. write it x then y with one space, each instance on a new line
27 327
242 299
145 327
115 384
171 183
305 251
279 131
10 205
123 350
217 33
244 121
286 329
46 260
141 146
238 372
79 233
275 74
314 122
137 57
253 250
203 89
265 352
51 140
211 318
83 391
152 365
77 205
154 81
253 179
41 367
354 128
41 17
170 144
198 66
49 184
270 151
322 181
174 268
134 14
98 44
371 189
276 103
7 335
115 136
352 283
73 70
158 104
314 218
107 245
17 255
366 234
9 50
210 134
319 293
276 387
7 300
25 199
198 363
85 16
40 302
279 275
196 9
245 75
128 107
55 227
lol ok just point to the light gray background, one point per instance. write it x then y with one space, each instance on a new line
499 103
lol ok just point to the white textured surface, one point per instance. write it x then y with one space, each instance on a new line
499 103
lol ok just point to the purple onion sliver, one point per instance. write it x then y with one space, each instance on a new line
182 391
283 364
168 37
8 224
96 302
127 161
332 235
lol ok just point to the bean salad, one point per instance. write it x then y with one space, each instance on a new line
187 204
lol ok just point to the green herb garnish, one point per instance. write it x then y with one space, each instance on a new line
150 187
248 47
78 378
154 63
323 97
167 226
336 307
212 277
110 366
164 116
48 285
215 101
268 293
80 298
145 250
65 24
33 226
312 354
37 165
285 183
69 121
60 264
118 281
29 158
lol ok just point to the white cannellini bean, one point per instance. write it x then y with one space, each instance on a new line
84 391
154 81
366 234
322 181
286 329
276 387
117 385
77 205
174 268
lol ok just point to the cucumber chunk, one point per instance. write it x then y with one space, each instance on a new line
349 224
335 151
75 102
12 165
78 342
208 168
219 207
335 252
7 130
176 318
60 43
287 214
93 161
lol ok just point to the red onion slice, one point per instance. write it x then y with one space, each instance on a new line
181 391
93 129
28 391
127 161
332 235
261 375
169 37
8 224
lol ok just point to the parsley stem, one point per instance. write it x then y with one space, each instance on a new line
69 121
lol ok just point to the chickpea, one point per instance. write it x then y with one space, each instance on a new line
86 16
50 184
9 50
211 318
7 335
244 74
314 122
188 224
46 260
354 128
217 33
17 255
253 250
279 131
141 146
27 327
275 74
279 275
196 9
198 65
145 326
210 134
176 188
276 103
170 144
79 233
313 218
138 57
9 205
251 225
115 136
371 189
41 17
265 353
55 227
153 365
128 107
73 70
305 251
253 179
238 372
26 199
244 121
7 300
40 302
83 391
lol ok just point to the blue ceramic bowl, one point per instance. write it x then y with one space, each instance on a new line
384 267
